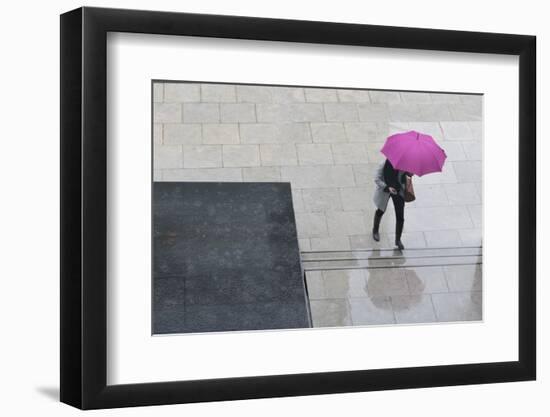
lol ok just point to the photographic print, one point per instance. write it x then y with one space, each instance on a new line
291 207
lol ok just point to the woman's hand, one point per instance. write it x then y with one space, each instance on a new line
392 190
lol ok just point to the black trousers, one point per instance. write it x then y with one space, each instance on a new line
399 206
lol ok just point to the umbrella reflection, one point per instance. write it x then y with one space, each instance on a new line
392 279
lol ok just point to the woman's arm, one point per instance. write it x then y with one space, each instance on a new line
379 178
390 176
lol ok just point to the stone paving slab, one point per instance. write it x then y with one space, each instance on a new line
390 254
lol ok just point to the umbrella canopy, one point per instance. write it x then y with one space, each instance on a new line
414 152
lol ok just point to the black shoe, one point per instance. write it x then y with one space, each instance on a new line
398 232
375 233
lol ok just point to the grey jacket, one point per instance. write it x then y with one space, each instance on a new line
381 197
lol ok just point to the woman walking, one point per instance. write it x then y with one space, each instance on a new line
390 183
409 153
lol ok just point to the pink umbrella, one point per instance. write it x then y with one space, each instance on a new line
414 152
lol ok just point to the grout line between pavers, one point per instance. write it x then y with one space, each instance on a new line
434 309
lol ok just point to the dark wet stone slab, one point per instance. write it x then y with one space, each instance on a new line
226 257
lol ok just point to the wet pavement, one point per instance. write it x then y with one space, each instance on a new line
377 287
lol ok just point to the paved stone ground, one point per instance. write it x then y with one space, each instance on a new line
326 143
395 296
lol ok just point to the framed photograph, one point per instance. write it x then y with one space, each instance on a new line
257 207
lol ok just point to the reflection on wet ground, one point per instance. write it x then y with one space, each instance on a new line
392 287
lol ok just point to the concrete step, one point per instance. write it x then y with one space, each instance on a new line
390 258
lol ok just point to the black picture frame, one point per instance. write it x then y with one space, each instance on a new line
84 207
